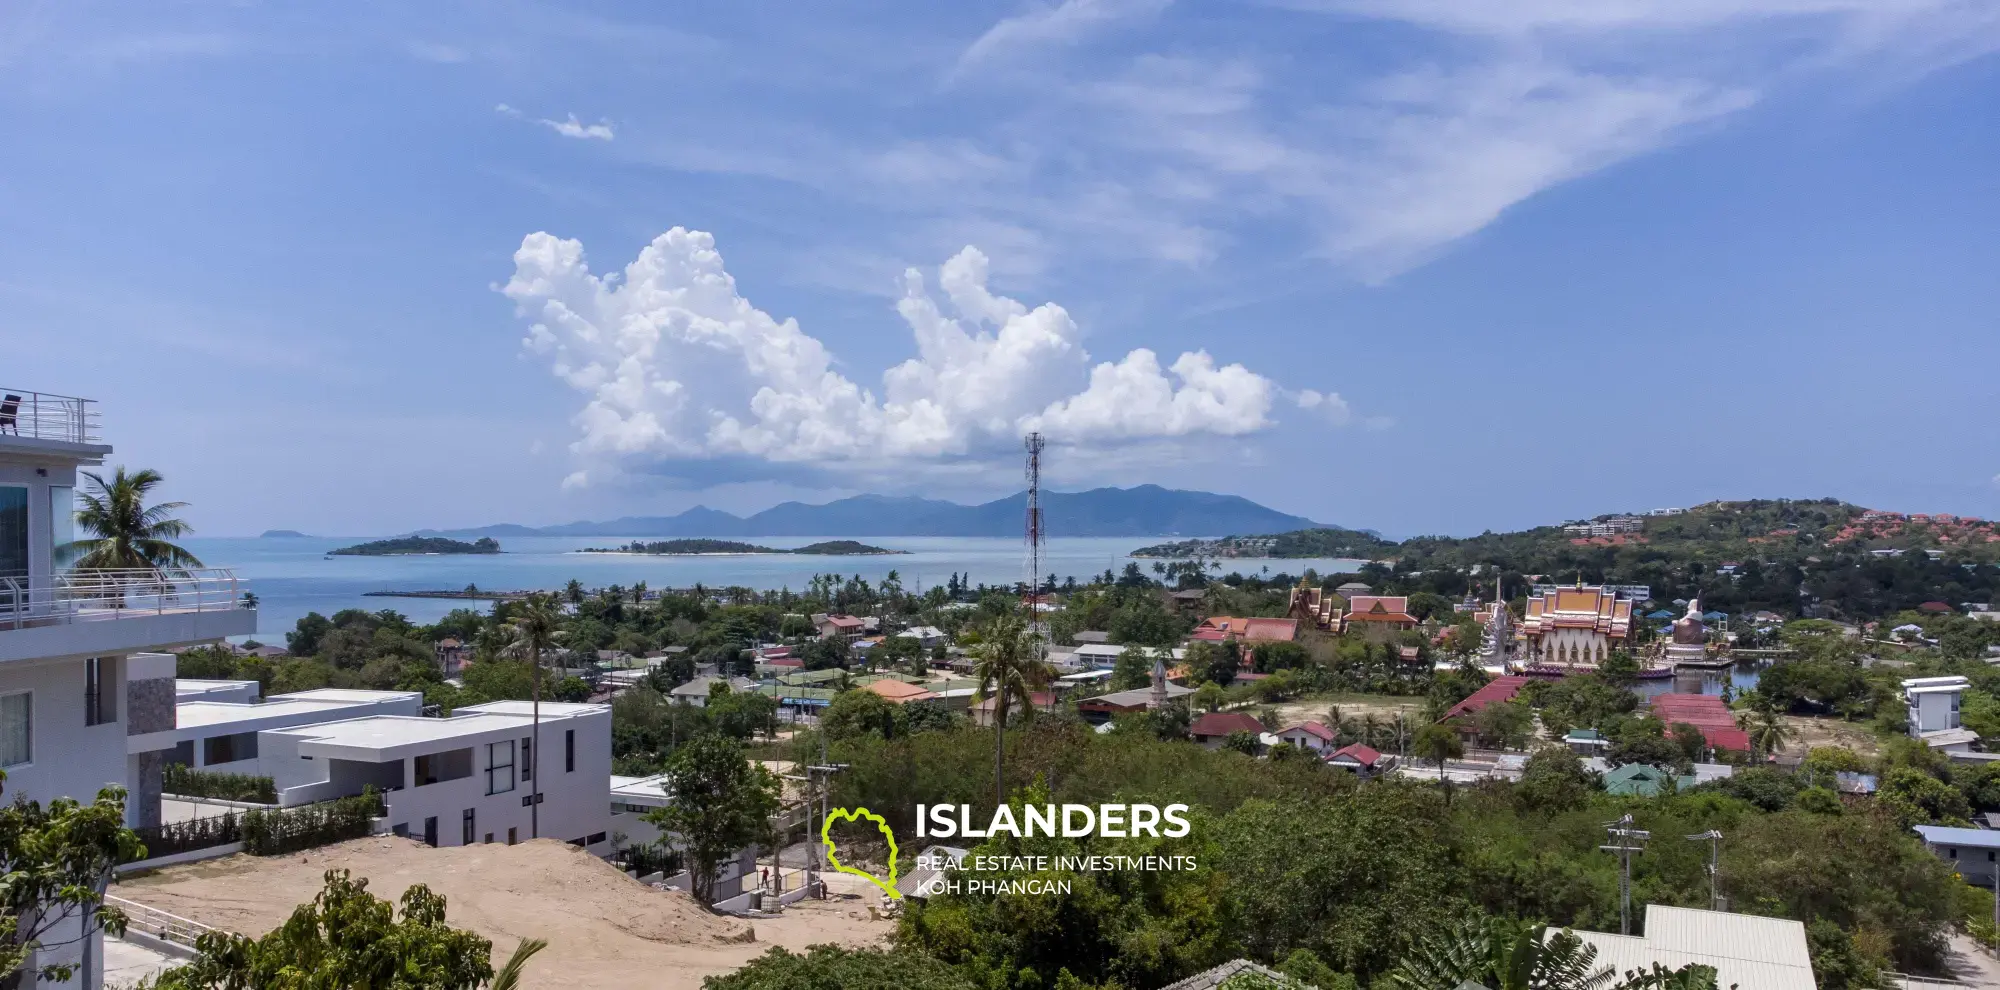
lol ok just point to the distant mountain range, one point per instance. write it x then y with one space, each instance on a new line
1147 510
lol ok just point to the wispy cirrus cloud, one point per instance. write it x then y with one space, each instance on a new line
1058 24
569 126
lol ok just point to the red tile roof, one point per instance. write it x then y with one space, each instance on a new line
1496 690
1224 723
1314 729
900 691
1217 628
1360 754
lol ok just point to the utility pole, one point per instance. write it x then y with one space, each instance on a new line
1714 840
1625 840
820 775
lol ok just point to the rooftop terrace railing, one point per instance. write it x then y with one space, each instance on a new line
42 416
112 594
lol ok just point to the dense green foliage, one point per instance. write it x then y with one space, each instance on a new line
187 781
345 937
417 545
1292 857
275 831
55 862
833 967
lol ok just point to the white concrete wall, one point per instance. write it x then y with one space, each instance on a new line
69 759
1934 711
576 803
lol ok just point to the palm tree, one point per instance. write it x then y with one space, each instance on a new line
1503 955
1439 742
537 625
509 976
126 534
638 592
573 591
1008 671
1767 728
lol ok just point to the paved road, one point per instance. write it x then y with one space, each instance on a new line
125 964
1972 965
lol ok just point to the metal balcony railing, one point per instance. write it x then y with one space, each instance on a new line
160 924
102 595
42 416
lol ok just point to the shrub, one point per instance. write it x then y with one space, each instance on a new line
186 836
186 780
277 831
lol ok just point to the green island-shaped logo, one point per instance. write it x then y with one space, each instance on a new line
854 815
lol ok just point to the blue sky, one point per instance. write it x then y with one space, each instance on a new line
1414 265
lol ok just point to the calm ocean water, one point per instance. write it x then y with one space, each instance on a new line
294 576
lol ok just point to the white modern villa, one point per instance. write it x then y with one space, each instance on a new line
222 735
470 778
73 686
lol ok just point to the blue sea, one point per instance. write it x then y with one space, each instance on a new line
293 576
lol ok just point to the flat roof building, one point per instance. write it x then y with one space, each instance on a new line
222 735
459 780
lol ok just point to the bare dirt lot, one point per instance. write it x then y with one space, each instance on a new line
1810 732
604 929
1314 709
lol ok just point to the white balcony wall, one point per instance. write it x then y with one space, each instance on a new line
66 758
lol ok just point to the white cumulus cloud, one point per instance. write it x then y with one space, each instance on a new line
676 365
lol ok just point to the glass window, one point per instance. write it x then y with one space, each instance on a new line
528 758
62 521
14 532
500 767
17 728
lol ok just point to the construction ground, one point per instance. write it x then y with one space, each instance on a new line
604 929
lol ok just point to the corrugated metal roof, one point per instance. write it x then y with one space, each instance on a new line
1945 835
1749 951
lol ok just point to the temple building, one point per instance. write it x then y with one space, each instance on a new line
1575 626
1315 608
1378 616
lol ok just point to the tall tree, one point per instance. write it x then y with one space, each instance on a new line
1438 743
721 804
537 626
1008 672
55 863
126 533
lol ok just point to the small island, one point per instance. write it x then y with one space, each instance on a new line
283 534
697 547
418 545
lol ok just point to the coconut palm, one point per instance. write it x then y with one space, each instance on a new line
509 976
1508 955
125 532
1767 728
537 626
1008 671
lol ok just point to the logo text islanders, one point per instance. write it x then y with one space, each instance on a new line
949 870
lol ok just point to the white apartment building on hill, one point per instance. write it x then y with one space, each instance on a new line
73 683
470 778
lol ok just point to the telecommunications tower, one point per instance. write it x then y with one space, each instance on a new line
1035 534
